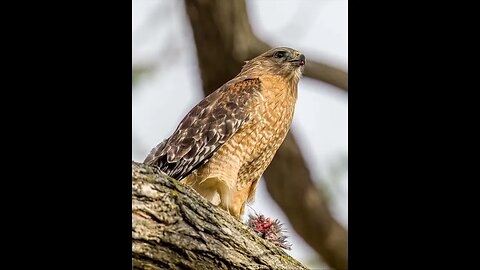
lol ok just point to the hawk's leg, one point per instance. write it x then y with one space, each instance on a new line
238 201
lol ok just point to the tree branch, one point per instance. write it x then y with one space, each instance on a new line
326 73
175 228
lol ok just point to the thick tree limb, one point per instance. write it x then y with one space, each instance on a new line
175 228
224 40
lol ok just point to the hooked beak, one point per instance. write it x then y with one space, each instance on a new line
299 59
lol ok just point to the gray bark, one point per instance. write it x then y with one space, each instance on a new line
175 228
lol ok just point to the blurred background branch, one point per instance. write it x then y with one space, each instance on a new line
223 33
291 186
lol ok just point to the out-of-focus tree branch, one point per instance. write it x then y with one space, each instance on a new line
328 74
224 39
314 69
289 182
227 26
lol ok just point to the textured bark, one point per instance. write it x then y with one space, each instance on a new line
175 228
224 39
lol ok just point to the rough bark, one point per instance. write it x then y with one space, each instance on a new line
224 39
175 228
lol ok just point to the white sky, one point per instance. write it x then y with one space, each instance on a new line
161 36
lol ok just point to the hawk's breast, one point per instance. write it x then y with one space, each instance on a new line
261 138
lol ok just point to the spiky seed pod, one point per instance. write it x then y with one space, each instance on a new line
269 229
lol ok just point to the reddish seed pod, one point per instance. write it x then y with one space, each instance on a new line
269 230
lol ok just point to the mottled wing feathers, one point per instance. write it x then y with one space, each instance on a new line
205 128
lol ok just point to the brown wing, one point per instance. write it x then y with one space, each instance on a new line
205 128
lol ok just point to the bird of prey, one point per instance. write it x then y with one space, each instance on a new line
224 144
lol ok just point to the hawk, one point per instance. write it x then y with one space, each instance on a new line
224 144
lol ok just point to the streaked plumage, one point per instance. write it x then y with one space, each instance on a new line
224 144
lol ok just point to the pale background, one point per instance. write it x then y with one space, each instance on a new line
162 39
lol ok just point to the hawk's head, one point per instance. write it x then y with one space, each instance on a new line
282 61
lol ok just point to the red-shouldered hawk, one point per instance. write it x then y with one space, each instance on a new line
224 144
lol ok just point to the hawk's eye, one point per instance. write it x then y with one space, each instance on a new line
279 54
